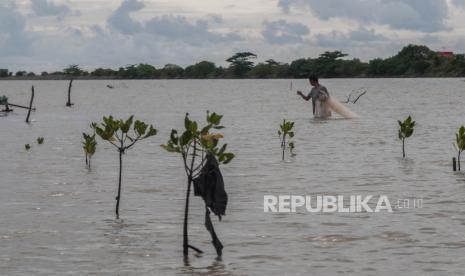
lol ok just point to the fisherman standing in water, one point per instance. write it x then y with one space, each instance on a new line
319 95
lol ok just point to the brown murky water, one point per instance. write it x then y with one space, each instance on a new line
56 217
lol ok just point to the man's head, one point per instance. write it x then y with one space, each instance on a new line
313 80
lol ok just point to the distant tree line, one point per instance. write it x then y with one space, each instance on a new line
411 61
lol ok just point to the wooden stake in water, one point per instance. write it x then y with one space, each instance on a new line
7 107
69 104
454 164
30 104
20 106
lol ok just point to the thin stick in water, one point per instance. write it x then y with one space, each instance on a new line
30 104
69 104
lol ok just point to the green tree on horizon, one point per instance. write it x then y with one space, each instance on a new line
203 69
410 61
73 70
4 73
240 63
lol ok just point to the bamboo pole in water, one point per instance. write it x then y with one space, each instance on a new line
30 104
69 104
7 107
21 106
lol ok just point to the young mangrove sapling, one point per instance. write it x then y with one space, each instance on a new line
405 131
40 140
460 143
193 145
286 134
117 133
89 145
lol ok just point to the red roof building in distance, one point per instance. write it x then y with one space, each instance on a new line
446 54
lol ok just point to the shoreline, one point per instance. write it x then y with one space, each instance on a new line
67 78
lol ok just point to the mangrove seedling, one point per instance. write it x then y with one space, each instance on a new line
4 101
27 147
40 140
89 145
117 133
286 134
460 143
194 144
405 131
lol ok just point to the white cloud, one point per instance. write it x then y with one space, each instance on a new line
121 21
14 40
459 3
365 35
282 32
48 8
113 33
418 15
341 40
172 27
179 28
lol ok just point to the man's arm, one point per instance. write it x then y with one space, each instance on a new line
303 96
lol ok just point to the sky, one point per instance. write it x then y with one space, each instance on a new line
49 35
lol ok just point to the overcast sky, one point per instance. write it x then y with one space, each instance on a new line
39 35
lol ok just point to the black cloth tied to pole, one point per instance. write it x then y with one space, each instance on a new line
210 186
